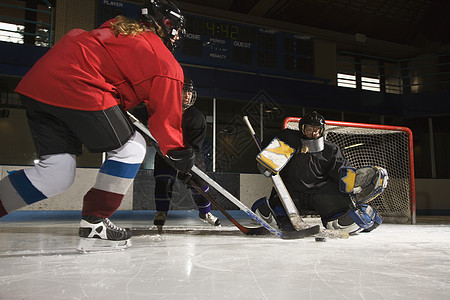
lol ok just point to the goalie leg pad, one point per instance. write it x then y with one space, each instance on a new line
363 184
356 219
279 213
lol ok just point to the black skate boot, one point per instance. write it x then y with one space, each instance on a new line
160 219
100 234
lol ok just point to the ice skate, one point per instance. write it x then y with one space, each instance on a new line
160 219
209 218
100 234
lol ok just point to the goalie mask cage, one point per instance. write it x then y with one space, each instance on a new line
390 147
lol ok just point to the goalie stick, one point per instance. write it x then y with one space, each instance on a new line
280 188
265 226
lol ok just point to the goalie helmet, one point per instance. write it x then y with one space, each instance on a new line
314 119
166 15
189 95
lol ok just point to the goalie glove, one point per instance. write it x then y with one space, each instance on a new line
363 184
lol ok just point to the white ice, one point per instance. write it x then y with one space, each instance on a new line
192 260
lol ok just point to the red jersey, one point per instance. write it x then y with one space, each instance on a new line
95 70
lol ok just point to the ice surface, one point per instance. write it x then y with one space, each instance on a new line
192 260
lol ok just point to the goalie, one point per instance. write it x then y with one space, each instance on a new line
320 180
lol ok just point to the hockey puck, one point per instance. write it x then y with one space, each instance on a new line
320 239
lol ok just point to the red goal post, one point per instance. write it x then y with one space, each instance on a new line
390 147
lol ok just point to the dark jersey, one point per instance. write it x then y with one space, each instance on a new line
306 172
194 128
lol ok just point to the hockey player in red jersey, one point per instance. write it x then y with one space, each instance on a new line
76 94
194 131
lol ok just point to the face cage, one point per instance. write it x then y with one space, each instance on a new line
322 130
170 32
193 98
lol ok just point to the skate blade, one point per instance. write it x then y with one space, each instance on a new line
99 245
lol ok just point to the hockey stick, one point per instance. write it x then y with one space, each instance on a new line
282 234
234 200
244 229
280 188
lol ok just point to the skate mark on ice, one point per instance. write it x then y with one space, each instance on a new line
197 261
134 277
324 281
249 265
41 252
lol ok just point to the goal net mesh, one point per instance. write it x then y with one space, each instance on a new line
381 147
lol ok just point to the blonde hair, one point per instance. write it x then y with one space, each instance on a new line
124 26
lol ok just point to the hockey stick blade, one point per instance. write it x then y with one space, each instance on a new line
290 235
244 229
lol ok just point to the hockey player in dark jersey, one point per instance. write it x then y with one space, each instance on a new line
194 131
313 174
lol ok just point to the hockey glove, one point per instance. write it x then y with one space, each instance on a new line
182 160
363 184
184 177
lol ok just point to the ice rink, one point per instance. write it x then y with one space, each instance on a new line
192 260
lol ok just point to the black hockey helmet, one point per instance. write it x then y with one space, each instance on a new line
165 14
188 86
314 119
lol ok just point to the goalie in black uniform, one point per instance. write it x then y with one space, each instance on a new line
319 179
194 131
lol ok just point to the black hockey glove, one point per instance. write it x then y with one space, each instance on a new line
184 177
182 160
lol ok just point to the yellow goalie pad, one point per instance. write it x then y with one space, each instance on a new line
275 156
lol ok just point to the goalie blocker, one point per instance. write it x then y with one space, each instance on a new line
274 157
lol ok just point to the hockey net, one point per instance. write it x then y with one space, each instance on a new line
390 147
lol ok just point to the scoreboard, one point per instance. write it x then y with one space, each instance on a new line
232 45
